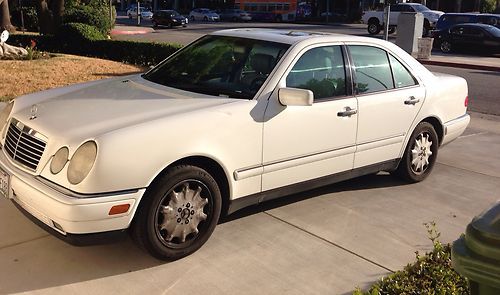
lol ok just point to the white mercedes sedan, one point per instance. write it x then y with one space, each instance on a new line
233 119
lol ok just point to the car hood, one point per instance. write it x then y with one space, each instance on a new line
179 17
90 109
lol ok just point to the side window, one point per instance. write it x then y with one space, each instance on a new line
371 69
396 8
402 76
320 70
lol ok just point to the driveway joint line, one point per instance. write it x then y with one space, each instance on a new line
468 170
23 242
330 242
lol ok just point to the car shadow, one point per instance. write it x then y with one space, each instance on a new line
380 180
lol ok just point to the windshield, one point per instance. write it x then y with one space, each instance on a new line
493 30
220 66
421 8
173 13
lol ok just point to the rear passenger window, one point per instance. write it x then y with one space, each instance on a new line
320 70
402 76
371 69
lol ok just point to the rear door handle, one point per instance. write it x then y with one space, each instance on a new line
348 112
412 100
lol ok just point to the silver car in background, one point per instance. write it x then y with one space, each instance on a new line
204 14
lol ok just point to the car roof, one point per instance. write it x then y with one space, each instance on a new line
289 36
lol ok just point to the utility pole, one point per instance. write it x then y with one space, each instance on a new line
138 13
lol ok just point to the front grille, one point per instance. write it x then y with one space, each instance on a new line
24 145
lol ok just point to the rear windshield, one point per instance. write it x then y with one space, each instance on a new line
493 30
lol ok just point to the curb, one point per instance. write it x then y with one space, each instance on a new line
129 32
459 65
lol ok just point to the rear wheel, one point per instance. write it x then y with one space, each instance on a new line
420 154
445 46
178 213
205 18
192 18
374 27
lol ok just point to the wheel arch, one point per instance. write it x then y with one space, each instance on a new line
373 20
213 167
438 126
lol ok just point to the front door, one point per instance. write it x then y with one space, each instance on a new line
307 142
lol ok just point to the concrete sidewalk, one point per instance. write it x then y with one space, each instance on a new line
487 63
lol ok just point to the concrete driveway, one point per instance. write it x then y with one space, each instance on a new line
326 241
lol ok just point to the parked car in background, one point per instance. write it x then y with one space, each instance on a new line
469 37
145 13
233 119
234 15
204 14
169 18
375 19
449 19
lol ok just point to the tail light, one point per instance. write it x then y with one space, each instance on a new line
466 102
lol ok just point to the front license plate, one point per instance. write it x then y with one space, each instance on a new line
4 183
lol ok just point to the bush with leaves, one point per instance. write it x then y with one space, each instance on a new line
432 273
133 52
30 18
97 16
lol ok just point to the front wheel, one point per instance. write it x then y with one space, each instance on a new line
178 213
420 154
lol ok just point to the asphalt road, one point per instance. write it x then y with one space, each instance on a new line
484 88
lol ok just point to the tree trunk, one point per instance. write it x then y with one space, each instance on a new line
57 8
49 15
458 6
5 23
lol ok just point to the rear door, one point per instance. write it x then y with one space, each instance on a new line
389 98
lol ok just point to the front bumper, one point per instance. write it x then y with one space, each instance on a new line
454 128
68 213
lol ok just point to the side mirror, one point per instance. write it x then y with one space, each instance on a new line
295 97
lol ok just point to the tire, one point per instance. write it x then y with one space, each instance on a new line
205 19
171 228
445 46
420 154
155 25
192 18
392 30
170 25
374 28
234 19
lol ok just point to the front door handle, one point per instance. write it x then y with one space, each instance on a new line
412 100
348 112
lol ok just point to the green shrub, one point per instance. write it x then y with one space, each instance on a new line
432 273
78 32
30 18
90 15
139 53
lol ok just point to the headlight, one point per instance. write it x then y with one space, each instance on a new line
59 160
82 162
4 115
